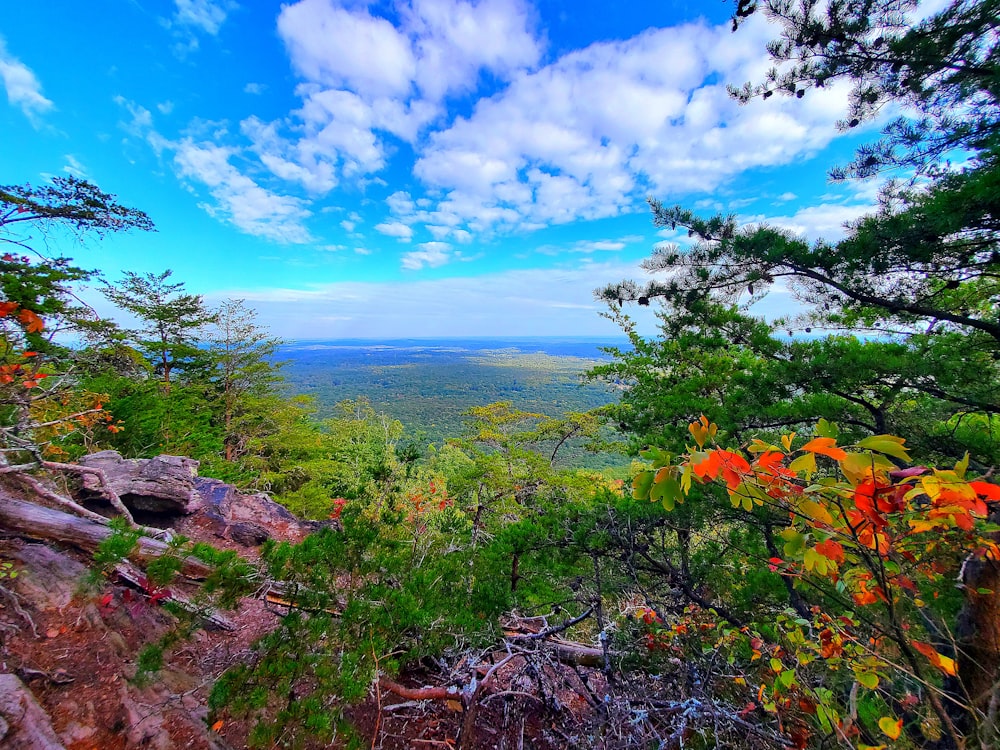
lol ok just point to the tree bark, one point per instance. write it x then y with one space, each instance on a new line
38 522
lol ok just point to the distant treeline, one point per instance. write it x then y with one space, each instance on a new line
428 388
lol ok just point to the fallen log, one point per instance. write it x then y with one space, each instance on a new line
46 524
135 578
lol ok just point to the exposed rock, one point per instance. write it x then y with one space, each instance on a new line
28 727
164 484
144 725
248 534
48 579
248 519
171 485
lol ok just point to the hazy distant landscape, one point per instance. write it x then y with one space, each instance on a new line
428 383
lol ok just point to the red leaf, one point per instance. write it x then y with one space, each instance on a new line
831 550
986 489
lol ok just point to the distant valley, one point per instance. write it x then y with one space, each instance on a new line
428 383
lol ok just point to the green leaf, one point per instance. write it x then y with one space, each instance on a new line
668 492
795 542
641 485
867 679
887 444
826 429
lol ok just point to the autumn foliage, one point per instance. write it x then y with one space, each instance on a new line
877 548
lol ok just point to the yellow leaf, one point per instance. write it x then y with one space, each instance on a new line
816 512
786 440
947 665
891 728
804 464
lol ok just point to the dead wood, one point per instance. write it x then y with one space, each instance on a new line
47 524
138 580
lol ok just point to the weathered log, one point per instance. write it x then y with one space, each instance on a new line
38 522
138 581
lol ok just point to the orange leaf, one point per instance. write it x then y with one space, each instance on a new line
709 467
832 550
217 725
6 308
944 663
986 489
825 446
32 322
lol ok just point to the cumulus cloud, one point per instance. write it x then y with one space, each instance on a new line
366 79
395 229
430 254
238 199
548 150
23 88
584 135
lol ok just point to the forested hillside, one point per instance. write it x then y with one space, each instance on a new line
429 385
805 552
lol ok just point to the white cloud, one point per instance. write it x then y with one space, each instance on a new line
254 88
591 246
23 88
366 80
599 128
337 47
165 107
240 200
395 229
430 254
824 221
74 167
205 15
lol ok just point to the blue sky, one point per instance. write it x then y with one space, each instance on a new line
411 168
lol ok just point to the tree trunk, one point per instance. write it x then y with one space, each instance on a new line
47 524
978 636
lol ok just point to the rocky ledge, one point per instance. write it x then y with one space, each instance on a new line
166 491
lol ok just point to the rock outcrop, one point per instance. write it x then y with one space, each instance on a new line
249 519
169 486
24 725
164 484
